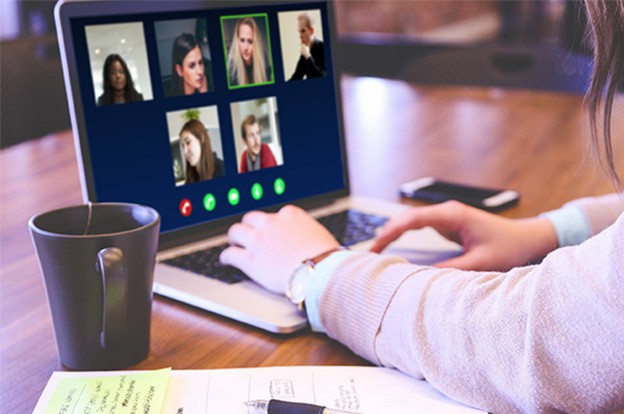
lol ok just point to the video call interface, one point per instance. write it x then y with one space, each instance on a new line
209 113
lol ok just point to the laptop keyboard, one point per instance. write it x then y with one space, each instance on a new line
349 227
206 262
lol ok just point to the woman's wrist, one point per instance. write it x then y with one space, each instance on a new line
541 238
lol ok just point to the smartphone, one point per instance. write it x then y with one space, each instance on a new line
433 189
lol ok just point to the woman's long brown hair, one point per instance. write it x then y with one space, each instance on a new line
606 19
206 168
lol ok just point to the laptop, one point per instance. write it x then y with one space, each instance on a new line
205 110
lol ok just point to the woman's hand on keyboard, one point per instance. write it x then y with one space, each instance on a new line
490 242
268 247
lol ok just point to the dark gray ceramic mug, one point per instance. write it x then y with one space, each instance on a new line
97 263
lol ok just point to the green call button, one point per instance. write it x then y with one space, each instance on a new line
279 186
233 196
256 191
210 202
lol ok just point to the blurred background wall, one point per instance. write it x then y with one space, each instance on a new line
33 101
460 20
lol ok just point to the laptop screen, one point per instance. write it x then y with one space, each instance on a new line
204 110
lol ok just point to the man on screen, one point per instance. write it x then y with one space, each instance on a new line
311 64
257 155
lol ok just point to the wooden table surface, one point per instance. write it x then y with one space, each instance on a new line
527 141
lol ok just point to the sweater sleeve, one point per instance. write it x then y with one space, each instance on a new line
543 338
580 219
601 211
266 157
243 163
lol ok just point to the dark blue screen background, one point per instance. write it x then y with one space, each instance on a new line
129 143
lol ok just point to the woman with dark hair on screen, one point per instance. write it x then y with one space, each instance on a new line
529 318
188 73
117 81
201 162
247 61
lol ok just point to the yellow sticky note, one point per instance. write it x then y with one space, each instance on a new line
131 393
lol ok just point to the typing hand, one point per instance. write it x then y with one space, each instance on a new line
268 247
490 242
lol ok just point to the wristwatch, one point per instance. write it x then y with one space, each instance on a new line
300 279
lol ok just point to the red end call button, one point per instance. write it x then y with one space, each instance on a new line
186 207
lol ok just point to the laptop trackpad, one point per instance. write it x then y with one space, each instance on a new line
425 247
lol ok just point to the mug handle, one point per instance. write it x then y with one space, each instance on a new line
112 266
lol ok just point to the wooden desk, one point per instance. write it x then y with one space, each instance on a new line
531 142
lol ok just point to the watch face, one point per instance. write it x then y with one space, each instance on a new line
298 283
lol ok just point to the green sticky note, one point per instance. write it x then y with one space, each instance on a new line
143 392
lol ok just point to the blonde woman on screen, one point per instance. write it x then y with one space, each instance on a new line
247 63
501 334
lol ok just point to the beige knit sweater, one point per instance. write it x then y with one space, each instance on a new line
545 338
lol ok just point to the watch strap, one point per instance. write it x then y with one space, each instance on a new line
313 261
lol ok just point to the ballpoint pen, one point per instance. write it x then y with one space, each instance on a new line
287 407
